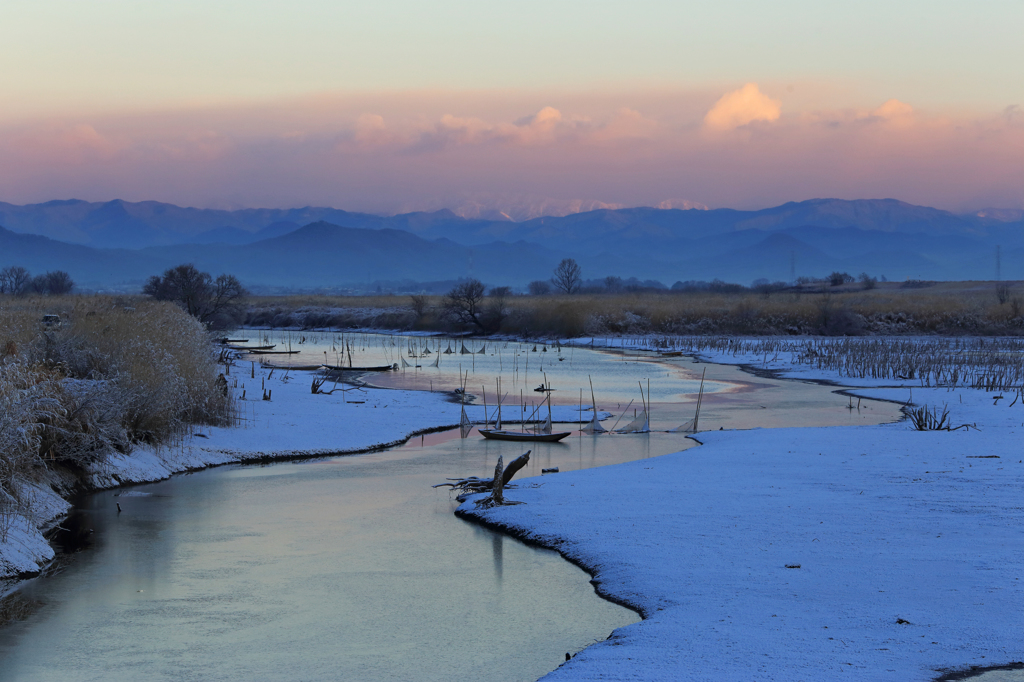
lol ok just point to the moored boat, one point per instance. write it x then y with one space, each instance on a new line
496 434
375 368
541 434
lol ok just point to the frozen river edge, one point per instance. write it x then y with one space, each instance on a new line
294 424
868 552
701 614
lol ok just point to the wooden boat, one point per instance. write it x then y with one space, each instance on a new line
341 368
301 368
495 434
542 435
260 351
232 340
250 348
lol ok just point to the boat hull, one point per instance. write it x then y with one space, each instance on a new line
494 434
338 368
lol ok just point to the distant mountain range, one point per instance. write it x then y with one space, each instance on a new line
120 243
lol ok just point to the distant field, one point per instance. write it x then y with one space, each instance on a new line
955 308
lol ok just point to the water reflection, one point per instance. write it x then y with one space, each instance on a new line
355 568
497 542
347 568
615 375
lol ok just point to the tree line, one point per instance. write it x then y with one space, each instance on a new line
212 301
18 281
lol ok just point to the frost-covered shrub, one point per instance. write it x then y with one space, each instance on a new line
147 367
106 376
28 398
618 322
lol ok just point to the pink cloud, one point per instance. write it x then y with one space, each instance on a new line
741 107
627 124
393 151
75 142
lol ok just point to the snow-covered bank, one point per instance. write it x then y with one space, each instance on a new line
293 423
878 553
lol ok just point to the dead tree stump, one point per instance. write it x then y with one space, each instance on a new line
498 485
514 466
502 476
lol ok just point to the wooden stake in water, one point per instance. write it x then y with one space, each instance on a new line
483 391
700 397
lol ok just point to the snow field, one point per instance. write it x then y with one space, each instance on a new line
885 523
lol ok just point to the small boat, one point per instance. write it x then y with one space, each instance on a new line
301 368
544 389
232 340
542 434
376 368
495 434
249 348
260 351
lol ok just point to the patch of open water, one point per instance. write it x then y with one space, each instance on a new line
354 567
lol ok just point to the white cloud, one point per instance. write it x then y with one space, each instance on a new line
893 109
740 107
895 113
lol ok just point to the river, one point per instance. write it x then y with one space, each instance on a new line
355 567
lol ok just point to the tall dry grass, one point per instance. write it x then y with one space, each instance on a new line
113 372
950 308
995 364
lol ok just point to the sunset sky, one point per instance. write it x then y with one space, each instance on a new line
397 105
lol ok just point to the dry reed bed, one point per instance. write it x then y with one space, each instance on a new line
943 308
995 364
112 373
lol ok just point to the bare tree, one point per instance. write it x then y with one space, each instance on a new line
539 287
464 303
568 276
226 291
54 283
198 293
497 307
839 278
14 280
867 280
419 303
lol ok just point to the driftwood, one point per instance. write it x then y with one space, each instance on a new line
473 484
498 491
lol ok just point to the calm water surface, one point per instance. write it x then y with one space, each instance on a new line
351 568
354 567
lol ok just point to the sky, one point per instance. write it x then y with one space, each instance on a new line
399 105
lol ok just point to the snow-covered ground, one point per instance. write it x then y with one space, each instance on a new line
909 544
862 553
293 423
